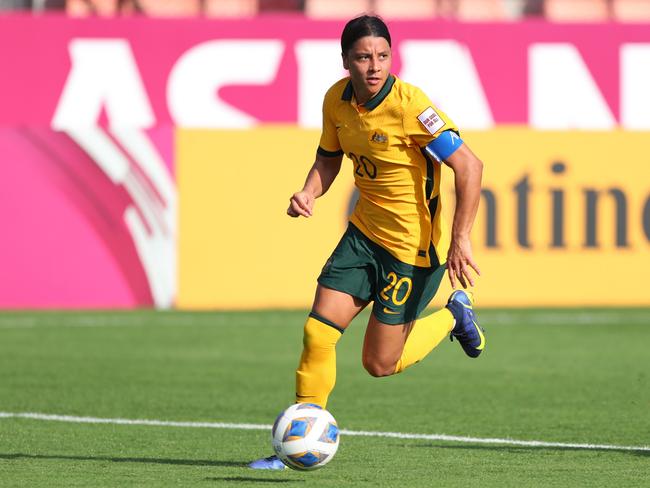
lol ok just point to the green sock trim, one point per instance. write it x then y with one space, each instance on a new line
314 315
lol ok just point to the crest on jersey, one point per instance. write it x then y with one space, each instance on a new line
431 121
378 137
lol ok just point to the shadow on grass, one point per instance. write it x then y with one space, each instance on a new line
178 462
246 479
533 449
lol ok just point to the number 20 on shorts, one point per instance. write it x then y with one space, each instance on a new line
394 288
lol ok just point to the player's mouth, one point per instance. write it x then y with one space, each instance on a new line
373 80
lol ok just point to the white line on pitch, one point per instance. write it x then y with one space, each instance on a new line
396 435
276 318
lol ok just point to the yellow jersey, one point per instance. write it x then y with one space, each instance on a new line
399 206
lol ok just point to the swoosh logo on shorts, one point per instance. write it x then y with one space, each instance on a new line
388 310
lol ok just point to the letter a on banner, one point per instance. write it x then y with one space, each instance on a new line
103 74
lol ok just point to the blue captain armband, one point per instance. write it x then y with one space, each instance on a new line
444 145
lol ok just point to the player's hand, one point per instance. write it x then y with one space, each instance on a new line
459 262
301 203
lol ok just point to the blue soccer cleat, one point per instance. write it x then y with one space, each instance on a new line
271 462
466 330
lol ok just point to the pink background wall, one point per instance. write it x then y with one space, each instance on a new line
35 60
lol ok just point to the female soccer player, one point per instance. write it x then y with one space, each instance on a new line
395 249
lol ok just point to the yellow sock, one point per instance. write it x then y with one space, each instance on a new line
316 374
426 334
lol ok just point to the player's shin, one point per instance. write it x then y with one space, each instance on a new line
316 374
426 334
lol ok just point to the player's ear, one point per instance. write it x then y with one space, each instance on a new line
346 65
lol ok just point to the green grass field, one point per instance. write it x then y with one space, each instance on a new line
562 376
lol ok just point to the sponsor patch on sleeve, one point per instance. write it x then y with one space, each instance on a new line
431 121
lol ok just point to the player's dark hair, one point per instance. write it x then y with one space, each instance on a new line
363 26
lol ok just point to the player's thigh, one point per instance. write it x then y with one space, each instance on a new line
345 285
403 291
337 306
383 345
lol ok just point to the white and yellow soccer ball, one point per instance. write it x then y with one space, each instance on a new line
305 436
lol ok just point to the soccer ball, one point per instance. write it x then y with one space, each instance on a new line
305 436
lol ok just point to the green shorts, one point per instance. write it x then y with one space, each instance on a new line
365 270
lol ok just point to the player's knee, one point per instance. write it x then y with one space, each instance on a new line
378 368
309 334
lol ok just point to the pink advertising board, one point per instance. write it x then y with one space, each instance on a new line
297 56
88 110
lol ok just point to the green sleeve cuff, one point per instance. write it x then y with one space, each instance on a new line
329 154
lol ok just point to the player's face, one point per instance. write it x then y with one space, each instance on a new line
368 61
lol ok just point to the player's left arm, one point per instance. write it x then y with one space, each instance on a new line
468 170
431 129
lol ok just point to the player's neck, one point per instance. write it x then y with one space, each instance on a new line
362 95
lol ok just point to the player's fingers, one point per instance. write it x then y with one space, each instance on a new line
474 266
297 209
461 278
465 273
304 204
302 212
291 212
452 276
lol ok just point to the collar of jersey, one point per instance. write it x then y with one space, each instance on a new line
374 101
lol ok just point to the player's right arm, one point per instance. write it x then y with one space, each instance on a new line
320 178
328 159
